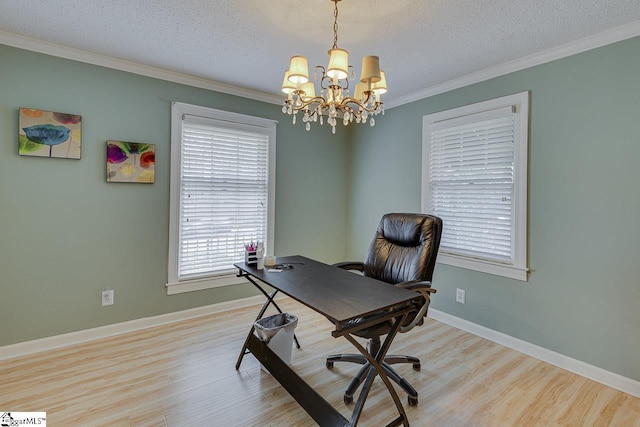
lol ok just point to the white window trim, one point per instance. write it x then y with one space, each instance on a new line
520 102
178 110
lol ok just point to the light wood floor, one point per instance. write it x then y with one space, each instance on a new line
183 375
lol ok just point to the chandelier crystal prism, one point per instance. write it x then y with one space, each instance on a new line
334 99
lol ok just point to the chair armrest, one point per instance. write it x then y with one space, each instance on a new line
424 288
418 285
350 265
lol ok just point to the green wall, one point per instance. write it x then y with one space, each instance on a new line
65 234
582 296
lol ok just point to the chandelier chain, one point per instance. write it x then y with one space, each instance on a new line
335 24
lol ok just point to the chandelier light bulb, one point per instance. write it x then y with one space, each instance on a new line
380 87
359 92
338 67
298 70
370 69
308 91
287 86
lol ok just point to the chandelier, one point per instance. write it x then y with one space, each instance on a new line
335 100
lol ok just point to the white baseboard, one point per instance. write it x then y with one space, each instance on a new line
78 337
611 379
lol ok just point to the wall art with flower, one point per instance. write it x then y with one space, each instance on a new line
130 162
49 134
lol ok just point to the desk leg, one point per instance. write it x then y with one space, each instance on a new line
260 314
376 363
319 409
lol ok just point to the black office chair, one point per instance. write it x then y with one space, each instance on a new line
403 253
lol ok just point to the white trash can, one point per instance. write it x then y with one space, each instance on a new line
277 332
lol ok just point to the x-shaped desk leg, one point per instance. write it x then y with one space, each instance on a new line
376 363
260 314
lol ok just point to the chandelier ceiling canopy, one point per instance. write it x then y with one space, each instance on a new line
334 97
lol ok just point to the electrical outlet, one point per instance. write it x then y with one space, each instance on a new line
107 297
460 296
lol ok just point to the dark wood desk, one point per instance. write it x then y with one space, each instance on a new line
341 296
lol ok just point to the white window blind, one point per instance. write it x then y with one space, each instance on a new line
471 180
475 179
223 197
222 194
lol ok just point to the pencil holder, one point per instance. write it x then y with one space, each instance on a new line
251 257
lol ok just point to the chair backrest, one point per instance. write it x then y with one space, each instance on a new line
404 248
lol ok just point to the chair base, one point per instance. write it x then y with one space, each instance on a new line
412 394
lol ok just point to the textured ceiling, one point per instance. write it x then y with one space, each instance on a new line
248 43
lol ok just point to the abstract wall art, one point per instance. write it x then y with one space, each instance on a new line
131 162
49 134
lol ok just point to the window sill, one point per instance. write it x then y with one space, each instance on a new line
484 266
201 284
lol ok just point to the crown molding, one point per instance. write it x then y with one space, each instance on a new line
613 35
604 38
27 43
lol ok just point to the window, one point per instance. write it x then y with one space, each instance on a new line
222 194
474 176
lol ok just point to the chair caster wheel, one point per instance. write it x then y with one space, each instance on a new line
329 365
413 401
416 366
348 399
